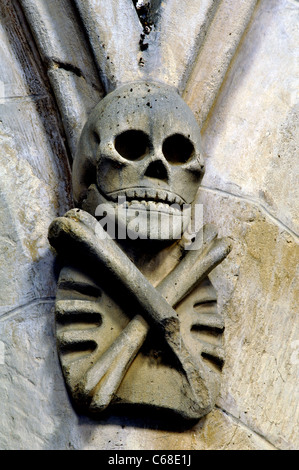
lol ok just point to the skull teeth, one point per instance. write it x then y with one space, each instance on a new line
145 196
151 205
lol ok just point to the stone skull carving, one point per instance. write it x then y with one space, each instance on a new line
141 147
137 324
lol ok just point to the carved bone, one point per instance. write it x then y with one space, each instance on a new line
79 228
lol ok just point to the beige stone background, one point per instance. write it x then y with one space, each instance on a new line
250 190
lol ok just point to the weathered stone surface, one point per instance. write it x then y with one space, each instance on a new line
67 56
250 185
216 53
34 170
172 48
24 208
116 64
252 135
30 380
76 98
259 289
34 184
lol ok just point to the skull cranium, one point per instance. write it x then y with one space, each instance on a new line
142 144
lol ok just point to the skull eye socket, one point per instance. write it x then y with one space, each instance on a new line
132 145
177 149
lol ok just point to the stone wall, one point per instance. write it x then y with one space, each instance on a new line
250 191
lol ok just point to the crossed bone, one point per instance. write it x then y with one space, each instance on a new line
80 231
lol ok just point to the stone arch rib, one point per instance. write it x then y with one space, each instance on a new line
68 60
114 32
91 47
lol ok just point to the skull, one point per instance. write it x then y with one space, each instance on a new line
140 152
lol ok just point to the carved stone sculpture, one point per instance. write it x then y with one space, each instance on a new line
136 314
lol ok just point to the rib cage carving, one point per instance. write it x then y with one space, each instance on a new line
89 322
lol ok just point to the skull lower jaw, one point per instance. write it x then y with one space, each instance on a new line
133 220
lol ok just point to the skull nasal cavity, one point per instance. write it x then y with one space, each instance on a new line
156 169
177 149
132 144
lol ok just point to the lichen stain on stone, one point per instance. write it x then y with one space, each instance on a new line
29 245
275 258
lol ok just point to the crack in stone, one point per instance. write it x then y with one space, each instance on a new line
232 438
24 98
16 310
239 421
68 67
147 12
55 64
256 203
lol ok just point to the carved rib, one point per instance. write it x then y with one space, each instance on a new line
206 308
72 338
207 297
213 350
210 320
85 289
66 308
